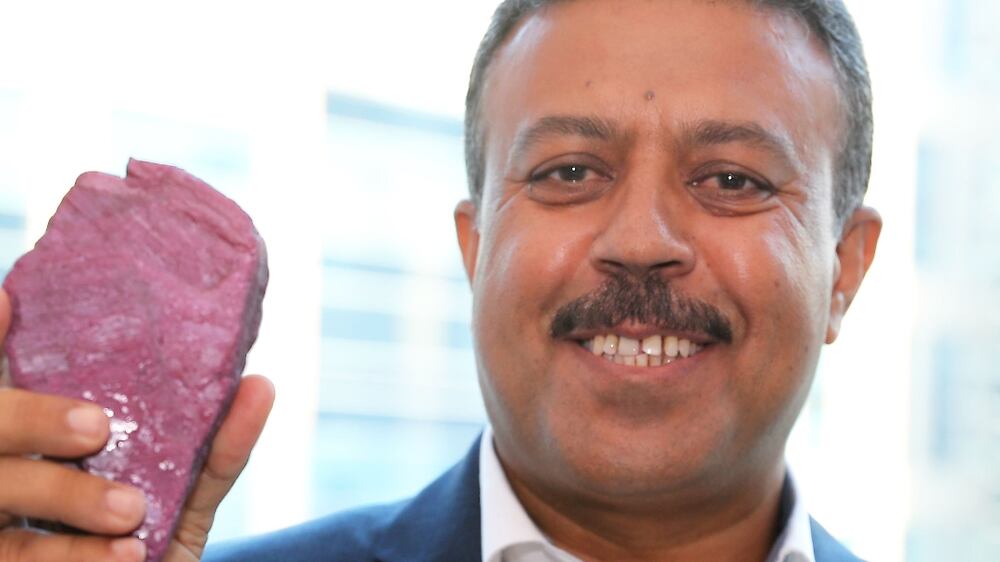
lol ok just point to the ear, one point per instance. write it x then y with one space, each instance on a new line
855 253
467 228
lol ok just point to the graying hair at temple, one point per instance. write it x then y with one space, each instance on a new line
828 19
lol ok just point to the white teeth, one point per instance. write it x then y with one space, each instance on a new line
670 346
610 344
628 346
653 351
598 346
653 345
684 347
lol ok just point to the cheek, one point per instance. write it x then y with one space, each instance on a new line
775 282
793 323
524 267
523 274
781 282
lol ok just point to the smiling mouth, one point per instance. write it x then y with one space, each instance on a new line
653 351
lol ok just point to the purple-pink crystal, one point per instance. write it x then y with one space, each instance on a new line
144 296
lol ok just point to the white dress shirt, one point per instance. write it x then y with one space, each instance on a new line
509 535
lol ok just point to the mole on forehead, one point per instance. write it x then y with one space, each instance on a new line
650 95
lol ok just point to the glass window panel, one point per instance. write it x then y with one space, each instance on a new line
398 398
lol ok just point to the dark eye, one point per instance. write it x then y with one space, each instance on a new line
732 181
733 184
731 188
572 173
567 183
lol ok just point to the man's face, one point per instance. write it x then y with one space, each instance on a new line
657 171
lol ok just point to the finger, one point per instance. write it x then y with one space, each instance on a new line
4 314
226 460
4 326
19 545
231 448
228 456
45 490
33 423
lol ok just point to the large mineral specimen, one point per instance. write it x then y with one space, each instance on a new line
144 296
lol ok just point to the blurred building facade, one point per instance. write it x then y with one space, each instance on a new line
955 444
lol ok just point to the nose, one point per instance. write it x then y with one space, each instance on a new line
646 231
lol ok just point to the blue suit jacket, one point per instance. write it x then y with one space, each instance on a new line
440 524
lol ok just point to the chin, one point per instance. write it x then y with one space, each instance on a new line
638 463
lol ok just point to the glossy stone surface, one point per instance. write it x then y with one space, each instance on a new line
144 296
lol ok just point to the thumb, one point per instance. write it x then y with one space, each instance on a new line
5 317
226 460
4 314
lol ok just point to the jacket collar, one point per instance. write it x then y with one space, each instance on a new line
442 523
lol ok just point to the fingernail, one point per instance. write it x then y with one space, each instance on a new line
130 548
125 503
90 422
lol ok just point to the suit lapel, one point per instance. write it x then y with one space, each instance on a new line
440 524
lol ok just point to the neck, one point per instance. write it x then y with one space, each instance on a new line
740 524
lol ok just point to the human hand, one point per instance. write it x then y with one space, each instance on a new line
56 427
229 454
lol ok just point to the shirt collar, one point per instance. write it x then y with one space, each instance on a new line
794 544
506 526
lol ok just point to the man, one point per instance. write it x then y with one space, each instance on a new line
665 225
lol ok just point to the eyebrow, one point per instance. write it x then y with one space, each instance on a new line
699 134
702 134
565 126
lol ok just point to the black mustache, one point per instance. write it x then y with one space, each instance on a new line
649 300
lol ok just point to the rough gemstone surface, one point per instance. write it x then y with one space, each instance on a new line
144 296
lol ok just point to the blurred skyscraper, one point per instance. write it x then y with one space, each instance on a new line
956 406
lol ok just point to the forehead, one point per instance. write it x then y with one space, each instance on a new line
656 64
